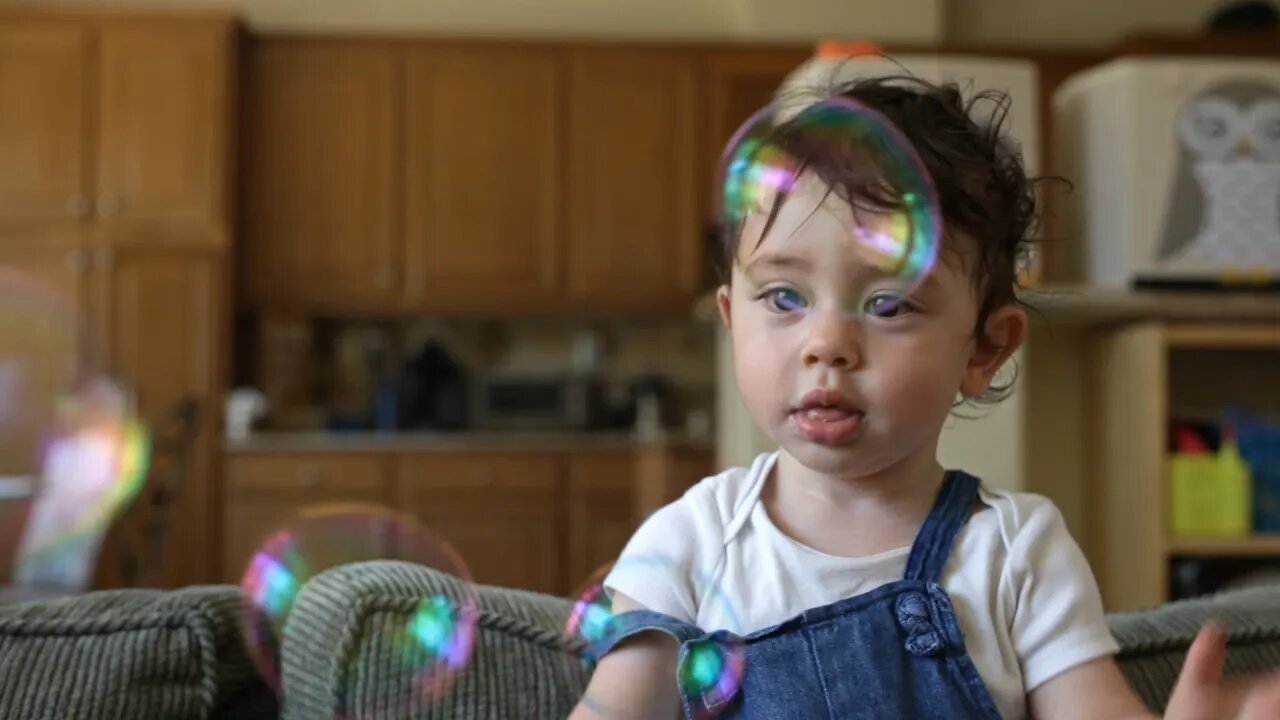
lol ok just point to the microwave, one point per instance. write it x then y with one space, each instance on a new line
537 403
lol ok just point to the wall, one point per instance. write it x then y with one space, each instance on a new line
1069 24
804 20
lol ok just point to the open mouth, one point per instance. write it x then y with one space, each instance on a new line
827 417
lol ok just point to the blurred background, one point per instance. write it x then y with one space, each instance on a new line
455 258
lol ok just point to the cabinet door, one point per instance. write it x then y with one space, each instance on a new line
634 238
164 116
500 512
266 493
162 325
739 83
484 142
42 290
42 120
602 516
320 175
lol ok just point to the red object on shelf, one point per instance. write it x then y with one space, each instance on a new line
848 49
1186 440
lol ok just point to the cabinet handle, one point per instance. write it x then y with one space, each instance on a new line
77 205
387 278
103 258
78 260
109 206
311 478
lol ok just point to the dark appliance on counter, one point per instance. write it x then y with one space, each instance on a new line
539 402
432 392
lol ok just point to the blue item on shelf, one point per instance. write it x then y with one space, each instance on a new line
1260 447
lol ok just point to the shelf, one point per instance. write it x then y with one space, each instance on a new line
1254 546
1265 335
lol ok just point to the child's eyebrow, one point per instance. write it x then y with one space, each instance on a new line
778 262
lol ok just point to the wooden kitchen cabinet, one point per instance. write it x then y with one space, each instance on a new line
740 82
484 140
117 118
266 493
321 187
165 118
602 515
634 179
501 512
43 120
44 296
162 324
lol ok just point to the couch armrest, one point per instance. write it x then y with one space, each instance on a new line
1154 642
130 654
343 653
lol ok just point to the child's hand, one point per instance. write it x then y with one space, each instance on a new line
1202 695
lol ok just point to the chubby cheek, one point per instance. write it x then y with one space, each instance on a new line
918 383
760 363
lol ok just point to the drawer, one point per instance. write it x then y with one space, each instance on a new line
307 477
429 473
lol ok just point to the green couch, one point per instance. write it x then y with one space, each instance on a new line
143 654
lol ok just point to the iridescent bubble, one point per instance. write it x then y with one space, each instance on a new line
71 443
433 645
710 668
860 168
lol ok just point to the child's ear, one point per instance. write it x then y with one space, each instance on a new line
722 302
1001 337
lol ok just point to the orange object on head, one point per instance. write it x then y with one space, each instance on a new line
843 49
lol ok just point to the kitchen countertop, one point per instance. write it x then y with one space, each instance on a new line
551 441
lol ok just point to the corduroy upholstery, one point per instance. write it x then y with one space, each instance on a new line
144 654
130 655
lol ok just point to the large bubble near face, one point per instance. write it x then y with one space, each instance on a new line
871 181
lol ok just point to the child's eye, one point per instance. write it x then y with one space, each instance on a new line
886 305
783 300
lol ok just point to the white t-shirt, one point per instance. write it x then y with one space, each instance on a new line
1025 596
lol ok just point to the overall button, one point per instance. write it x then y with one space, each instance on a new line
915 617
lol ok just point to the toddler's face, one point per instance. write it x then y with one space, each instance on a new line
842 367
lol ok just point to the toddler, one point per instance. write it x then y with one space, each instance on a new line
861 578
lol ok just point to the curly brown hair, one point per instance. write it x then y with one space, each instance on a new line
983 190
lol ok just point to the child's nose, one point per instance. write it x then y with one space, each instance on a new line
832 343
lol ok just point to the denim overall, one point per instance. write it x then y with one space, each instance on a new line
894 652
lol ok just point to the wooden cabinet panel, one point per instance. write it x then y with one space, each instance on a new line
602 515
739 83
320 174
164 121
43 129
634 168
265 493
41 341
500 512
483 177
161 322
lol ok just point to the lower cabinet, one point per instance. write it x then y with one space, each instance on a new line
534 520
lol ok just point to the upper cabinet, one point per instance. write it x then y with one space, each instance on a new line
321 153
471 177
164 114
741 82
635 240
116 119
483 177
43 120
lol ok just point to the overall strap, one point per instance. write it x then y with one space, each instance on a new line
951 509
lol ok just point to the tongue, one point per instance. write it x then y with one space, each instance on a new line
826 414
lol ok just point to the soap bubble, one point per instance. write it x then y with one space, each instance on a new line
787 162
710 668
70 440
432 646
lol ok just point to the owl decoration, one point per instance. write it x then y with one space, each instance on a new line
1224 208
